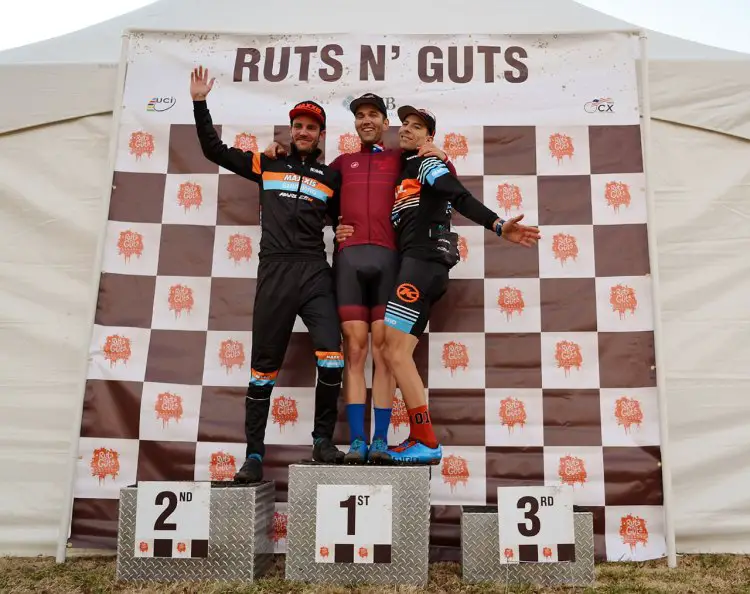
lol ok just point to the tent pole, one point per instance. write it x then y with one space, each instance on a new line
656 295
75 431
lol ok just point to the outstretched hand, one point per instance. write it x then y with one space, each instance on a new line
200 85
520 234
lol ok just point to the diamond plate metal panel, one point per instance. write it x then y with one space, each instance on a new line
240 539
480 554
411 524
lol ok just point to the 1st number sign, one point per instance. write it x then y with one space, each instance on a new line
353 524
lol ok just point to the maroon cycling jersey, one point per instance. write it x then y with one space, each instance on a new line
369 179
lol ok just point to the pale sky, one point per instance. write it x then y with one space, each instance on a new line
721 23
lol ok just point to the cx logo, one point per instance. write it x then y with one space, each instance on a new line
408 293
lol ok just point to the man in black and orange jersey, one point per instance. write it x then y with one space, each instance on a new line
294 277
426 193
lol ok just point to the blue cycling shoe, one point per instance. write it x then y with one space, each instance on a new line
414 452
378 449
357 453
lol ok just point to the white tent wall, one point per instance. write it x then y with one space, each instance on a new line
52 216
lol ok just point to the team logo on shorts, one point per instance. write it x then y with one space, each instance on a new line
407 292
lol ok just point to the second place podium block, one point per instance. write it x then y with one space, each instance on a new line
355 524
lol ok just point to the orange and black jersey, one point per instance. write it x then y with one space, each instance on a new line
426 194
296 194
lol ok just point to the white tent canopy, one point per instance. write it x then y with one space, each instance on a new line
62 93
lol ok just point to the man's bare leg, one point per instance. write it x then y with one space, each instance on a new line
356 336
399 351
383 388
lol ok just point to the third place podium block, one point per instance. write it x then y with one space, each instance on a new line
357 524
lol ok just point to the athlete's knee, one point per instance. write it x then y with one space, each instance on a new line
396 348
355 346
330 367
261 384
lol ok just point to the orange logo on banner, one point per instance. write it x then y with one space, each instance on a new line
508 553
399 414
561 145
189 195
324 552
617 194
547 552
168 406
181 548
362 552
455 355
510 300
143 546
628 412
180 299
463 248
454 471
246 142
284 411
564 246
572 470
512 413
239 247
408 293
279 526
349 143
231 353
105 462
509 197
141 143
117 348
633 531
622 298
455 146
129 244
568 355
222 466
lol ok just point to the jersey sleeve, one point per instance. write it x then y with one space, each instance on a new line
437 175
245 163
336 164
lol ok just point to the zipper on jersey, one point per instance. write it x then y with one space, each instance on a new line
296 203
367 185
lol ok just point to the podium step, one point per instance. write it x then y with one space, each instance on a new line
480 553
240 545
355 524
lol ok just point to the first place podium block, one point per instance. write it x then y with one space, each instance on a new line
238 547
358 524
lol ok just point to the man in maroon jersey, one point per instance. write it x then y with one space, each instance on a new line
366 268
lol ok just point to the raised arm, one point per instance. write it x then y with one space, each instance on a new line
245 163
433 172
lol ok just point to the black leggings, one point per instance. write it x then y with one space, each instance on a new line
285 290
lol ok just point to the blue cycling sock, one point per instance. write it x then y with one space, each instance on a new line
355 413
382 421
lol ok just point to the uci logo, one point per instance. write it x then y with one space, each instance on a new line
161 103
600 106
407 293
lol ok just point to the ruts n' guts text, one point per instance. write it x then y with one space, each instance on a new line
433 64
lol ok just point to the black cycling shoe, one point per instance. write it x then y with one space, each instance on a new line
251 471
324 451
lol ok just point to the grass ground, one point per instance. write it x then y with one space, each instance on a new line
705 574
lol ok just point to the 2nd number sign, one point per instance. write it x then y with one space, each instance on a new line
172 519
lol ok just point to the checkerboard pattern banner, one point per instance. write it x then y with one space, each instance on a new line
538 363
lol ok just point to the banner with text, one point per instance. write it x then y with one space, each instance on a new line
538 363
